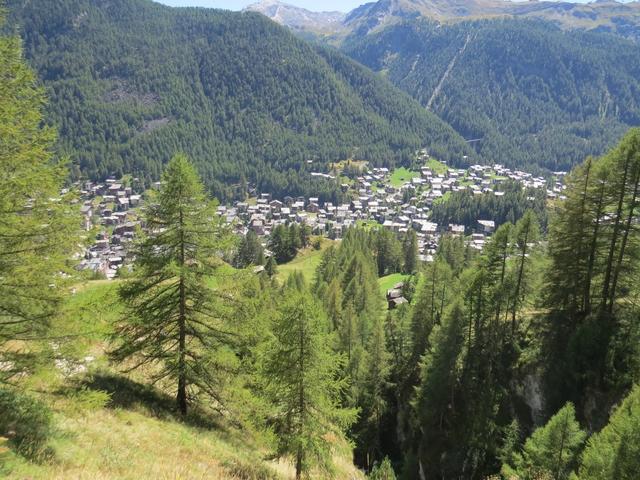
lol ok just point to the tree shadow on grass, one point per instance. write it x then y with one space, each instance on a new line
127 394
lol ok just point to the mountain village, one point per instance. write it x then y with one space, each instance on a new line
111 209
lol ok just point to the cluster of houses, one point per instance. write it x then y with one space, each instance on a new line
110 217
375 200
110 213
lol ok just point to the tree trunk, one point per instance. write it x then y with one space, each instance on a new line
625 238
561 449
299 464
182 373
301 399
583 208
586 296
433 293
182 327
523 256
614 240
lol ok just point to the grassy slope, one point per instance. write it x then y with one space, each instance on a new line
306 262
138 437
387 283
437 167
132 445
400 176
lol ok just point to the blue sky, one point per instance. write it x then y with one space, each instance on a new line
314 5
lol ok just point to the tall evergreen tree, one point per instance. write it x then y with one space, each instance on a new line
614 452
301 375
432 296
38 226
271 266
388 252
439 417
527 232
171 317
410 248
373 397
552 451
383 471
250 251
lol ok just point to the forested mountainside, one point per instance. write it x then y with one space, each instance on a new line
529 93
204 359
131 81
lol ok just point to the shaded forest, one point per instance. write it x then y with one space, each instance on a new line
132 81
531 94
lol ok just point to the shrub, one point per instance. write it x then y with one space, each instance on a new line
383 471
249 470
25 421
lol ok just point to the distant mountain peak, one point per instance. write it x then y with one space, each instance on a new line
602 15
295 17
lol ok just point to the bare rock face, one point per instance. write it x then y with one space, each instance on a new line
298 18
601 15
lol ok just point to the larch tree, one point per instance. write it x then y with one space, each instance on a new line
552 451
383 471
38 226
438 415
373 396
172 318
300 371
410 250
614 452
250 251
271 266
527 233
432 295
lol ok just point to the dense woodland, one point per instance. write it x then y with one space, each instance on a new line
465 208
521 361
131 81
532 94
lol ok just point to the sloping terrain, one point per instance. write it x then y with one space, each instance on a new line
297 18
526 93
109 425
131 82
527 84
603 15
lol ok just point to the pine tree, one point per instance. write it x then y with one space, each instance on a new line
553 450
383 471
373 398
250 251
432 296
300 372
171 319
439 418
271 267
410 247
526 232
614 452
570 239
39 226
388 253
332 299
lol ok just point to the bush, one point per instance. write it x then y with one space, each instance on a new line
249 470
383 471
25 421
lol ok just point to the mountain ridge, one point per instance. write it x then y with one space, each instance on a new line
131 82
295 17
602 15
